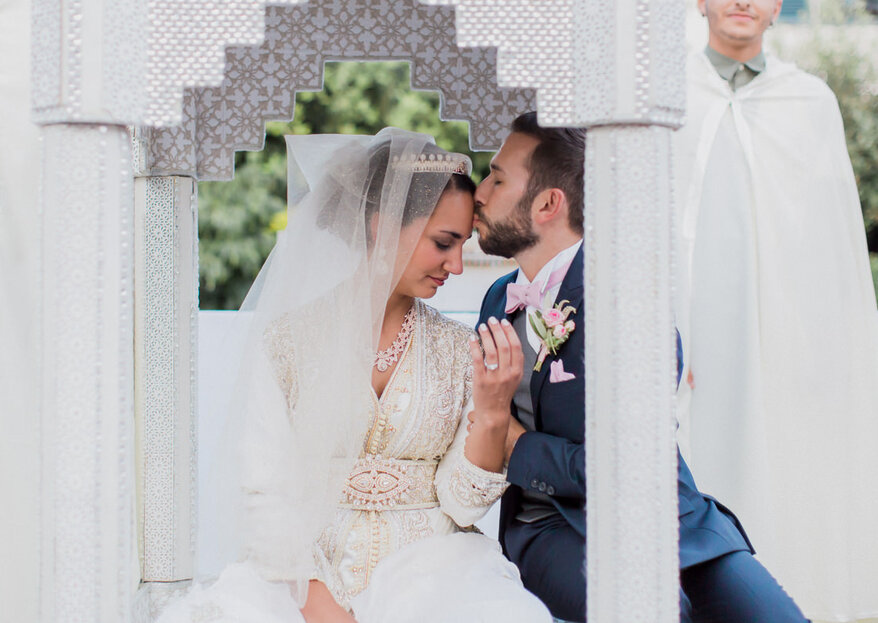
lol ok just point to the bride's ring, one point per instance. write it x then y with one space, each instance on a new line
492 366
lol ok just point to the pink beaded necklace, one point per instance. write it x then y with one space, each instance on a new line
386 358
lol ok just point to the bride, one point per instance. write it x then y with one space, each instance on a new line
365 436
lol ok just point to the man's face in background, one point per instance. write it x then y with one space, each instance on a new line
738 23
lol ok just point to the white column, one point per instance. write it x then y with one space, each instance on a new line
629 91
165 332
616 67
632 524
20 271
116 62
87 416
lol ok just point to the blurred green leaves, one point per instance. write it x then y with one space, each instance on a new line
235 227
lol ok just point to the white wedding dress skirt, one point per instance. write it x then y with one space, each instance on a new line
457 578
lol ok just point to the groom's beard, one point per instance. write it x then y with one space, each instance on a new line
510 237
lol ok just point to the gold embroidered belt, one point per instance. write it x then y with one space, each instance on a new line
377 483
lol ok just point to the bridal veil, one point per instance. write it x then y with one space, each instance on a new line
308 330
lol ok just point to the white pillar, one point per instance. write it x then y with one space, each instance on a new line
617 68
632 524
120 63
20 271
87 416
629 91
165 332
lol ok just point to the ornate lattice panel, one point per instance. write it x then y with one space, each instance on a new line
591 61
187 46
127 61
535 46
260 81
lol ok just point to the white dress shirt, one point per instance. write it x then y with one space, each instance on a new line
547 295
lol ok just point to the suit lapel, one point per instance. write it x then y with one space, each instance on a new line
571 290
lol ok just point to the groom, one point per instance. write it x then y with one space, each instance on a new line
530 208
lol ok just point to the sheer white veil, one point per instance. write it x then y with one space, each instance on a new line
297 415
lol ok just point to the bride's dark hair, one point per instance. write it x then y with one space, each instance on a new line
415 207
350 202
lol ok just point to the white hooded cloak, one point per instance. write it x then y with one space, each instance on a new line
776 307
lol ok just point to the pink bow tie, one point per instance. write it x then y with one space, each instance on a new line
519 295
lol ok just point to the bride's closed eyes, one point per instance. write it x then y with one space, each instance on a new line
439 253
450 238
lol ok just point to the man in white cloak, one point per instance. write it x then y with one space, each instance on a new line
777 311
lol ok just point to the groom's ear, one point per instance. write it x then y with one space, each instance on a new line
548 205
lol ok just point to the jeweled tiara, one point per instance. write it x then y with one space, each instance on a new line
435 163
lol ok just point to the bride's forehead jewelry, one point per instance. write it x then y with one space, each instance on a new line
434 163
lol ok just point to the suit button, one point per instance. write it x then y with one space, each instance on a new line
550 490
534 483
542 486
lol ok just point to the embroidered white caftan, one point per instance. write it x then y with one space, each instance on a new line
401 547
412 480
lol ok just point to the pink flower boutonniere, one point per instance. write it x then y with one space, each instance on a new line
552 328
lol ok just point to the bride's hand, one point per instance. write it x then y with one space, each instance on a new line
496 376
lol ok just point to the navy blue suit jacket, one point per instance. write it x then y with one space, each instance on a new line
551 459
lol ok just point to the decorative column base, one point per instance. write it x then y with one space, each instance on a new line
153 597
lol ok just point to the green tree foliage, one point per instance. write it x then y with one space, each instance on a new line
238 220
234 227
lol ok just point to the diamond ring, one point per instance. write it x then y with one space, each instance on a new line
492 366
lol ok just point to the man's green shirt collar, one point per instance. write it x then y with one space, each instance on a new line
736 73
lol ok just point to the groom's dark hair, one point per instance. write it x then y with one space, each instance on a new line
558 161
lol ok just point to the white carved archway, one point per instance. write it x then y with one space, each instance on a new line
260 82
180 71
